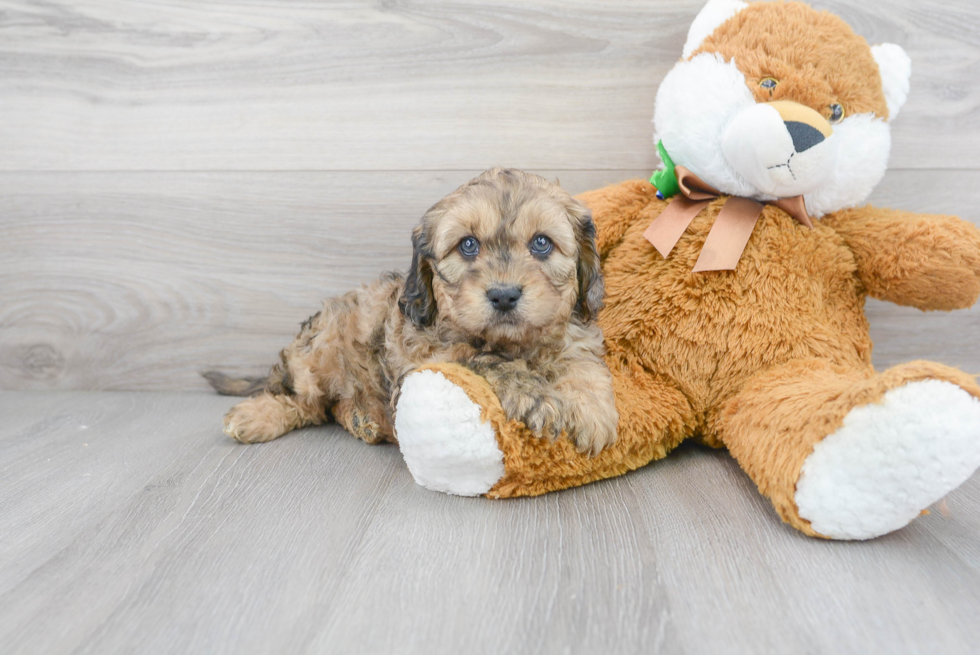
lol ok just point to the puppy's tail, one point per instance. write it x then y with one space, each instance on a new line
229 386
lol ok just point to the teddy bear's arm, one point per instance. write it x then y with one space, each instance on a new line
616 207
922 260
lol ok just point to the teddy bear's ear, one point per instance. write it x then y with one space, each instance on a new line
708 19
896 68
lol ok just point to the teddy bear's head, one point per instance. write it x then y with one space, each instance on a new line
776 99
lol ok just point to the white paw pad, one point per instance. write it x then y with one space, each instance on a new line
442 438
890 460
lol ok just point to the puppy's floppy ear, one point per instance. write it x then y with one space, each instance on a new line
590 284
418 302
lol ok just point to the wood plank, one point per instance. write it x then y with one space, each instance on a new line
158 515
139 280
164 536
728 563
299 85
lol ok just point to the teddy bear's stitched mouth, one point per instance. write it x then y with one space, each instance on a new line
788 167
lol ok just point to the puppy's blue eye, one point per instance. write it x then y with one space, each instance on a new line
469 247
541 245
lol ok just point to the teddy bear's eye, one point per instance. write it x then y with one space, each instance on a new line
769 83
836 113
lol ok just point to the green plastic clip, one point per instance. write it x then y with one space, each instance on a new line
665 180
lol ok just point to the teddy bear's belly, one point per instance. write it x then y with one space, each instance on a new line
793 295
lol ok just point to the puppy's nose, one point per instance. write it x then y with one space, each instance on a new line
504 299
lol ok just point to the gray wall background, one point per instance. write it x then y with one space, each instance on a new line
182 183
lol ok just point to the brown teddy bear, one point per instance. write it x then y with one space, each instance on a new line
735 294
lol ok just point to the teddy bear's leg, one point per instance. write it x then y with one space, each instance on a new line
844 453
443 432
455 437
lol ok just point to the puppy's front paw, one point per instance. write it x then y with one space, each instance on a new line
525 396
540 412
544 418
593 428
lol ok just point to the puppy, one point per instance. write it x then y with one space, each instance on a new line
505 279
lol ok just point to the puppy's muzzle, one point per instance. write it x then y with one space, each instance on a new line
504 299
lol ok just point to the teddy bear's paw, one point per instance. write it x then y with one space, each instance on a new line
890 460
446 445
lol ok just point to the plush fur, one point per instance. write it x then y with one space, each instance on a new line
479 292
771 359
924 427
455 454
712 111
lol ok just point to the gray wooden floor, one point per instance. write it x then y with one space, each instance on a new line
130 524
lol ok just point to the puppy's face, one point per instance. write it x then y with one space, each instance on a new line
503 258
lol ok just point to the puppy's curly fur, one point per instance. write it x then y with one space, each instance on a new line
505 279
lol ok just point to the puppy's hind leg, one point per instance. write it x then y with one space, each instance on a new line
329 367
280 408
365 418
268 416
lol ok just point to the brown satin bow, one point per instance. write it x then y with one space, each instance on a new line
731 231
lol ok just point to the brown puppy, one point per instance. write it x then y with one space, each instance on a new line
505 279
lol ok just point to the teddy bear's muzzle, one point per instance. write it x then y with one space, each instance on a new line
782 148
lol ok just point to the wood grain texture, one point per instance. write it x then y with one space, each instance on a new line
303 85
140 280
131 524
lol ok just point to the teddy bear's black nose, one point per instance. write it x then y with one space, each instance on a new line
504 298
804 136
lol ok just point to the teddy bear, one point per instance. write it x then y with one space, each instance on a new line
735 285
